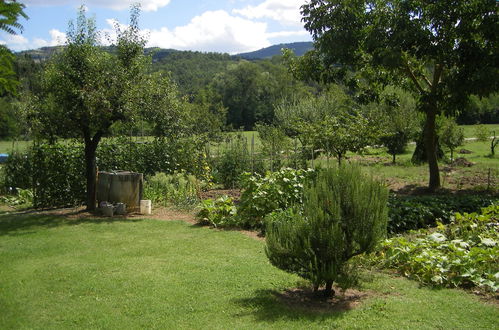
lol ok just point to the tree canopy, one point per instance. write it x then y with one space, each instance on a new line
85 90
10 12
442 51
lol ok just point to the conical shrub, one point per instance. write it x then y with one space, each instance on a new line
344 214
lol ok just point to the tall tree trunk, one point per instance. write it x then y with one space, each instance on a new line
430 136
91 169
328 291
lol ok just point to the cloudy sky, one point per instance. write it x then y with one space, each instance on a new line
231 26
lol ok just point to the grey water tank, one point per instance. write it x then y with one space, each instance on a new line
120 187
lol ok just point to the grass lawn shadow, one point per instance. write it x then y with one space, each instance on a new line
13 222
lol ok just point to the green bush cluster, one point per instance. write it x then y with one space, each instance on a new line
344 215
218 213
56 172
464 253
415 212
262 195
179 189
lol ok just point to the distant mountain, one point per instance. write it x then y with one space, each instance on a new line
299 48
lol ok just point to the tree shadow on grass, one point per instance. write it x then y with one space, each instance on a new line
298 304
18 223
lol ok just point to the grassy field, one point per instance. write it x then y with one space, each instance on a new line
469 130
8 146
59 273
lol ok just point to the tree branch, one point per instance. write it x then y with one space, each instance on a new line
439 68
426 80
413 77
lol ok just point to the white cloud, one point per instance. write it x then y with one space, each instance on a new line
286 12
146 5
215 31
56 38
19 42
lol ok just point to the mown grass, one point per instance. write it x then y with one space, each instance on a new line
63 273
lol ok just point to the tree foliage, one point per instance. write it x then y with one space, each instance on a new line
399 120
10 12
451 136
332 122
442 51
86 90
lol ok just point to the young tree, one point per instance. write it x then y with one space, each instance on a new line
86 90
344 215
442 51
332 122
274 143
399 119
451 136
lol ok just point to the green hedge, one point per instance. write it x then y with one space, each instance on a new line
56 172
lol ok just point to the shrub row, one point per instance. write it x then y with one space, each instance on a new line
415 212
55 172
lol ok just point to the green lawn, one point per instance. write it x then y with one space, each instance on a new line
64 273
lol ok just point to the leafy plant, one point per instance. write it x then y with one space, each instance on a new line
274 143
274 191
344 215
218 213
55 172
233 161
179 189
463 253
20 197
415 212
482 133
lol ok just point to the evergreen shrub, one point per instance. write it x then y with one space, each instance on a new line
344 215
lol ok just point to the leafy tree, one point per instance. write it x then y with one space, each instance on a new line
344 215
249 90
483 110
8 119
245 92
274 143
86 90
10 12
451 136
442 51
400 121
332 122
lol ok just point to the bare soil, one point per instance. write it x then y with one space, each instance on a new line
306 299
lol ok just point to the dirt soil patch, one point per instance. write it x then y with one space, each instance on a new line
306 299
235 194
